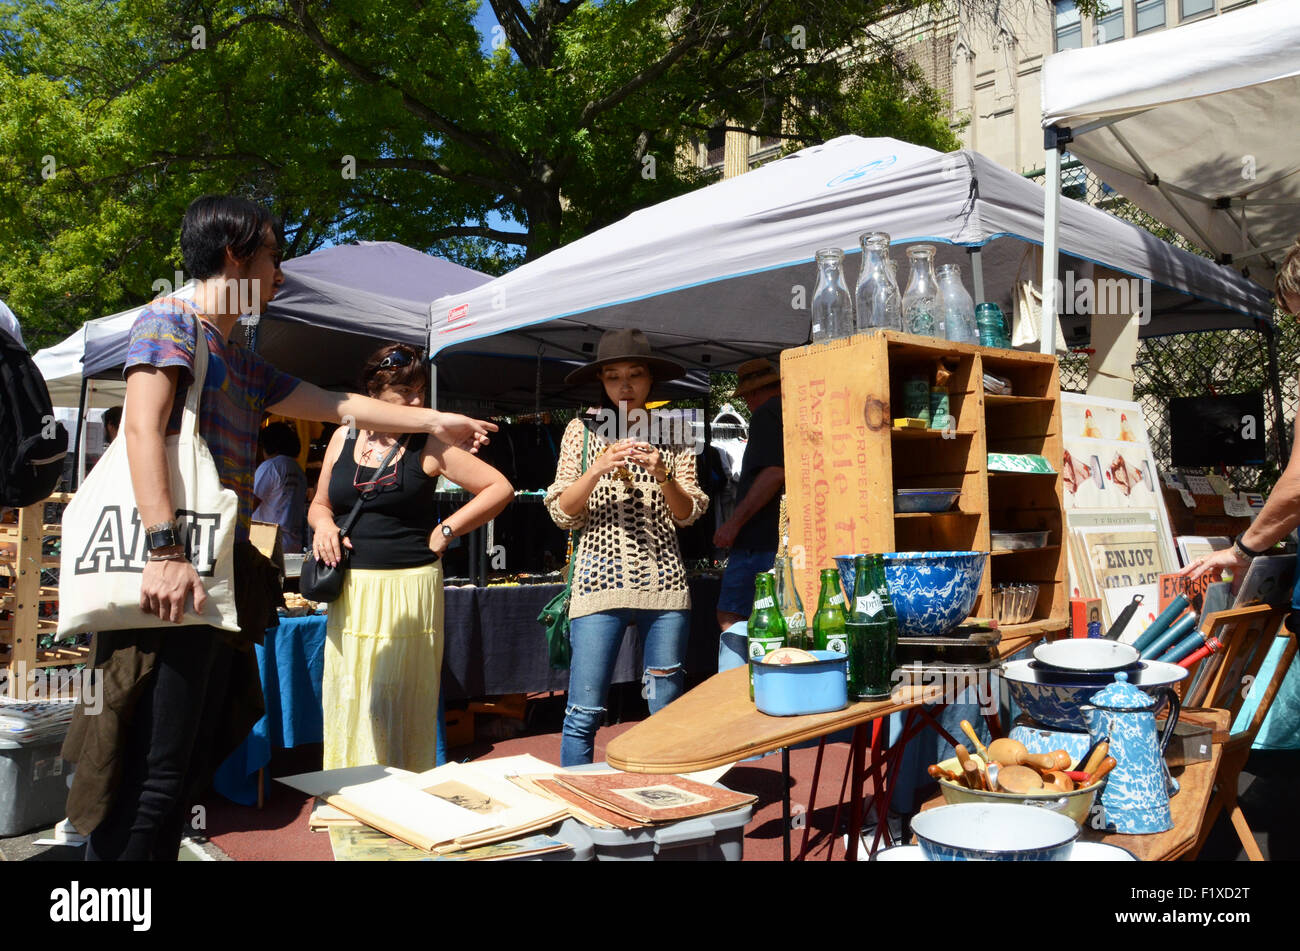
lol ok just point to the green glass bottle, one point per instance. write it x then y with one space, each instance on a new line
766 627
828 622
797 633
868 636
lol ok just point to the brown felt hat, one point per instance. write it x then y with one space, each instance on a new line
754 375
617 346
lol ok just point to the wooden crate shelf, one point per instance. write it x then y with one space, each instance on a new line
844 460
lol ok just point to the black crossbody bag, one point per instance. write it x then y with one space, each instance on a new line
322 582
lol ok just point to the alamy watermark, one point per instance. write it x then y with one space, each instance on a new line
661 427
54 683
1105 296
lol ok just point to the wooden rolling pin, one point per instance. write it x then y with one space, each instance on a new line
938 772
1094 761
1106 766
974 738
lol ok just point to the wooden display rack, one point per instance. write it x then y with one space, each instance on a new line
22 560
844 459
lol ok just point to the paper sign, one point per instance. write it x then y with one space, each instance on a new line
1172 585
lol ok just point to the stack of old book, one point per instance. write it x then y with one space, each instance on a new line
633 800
453 809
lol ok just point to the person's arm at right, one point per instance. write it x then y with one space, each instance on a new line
1277 519
320 514
165 586
308 401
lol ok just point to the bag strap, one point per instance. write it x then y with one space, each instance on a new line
356 506
568 578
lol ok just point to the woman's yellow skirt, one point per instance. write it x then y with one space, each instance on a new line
383 665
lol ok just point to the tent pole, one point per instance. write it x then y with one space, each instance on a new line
977 272
76 439
1054 141
1275 382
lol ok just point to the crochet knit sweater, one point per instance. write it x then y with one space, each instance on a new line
627 556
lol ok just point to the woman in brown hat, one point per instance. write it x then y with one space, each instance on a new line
627 497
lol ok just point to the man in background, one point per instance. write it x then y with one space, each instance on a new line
280 486
112 422
751 531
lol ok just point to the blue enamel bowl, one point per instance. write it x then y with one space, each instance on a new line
988 832
791 690
932 591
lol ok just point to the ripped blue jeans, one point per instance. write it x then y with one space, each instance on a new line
596 639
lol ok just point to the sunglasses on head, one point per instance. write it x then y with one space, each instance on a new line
398 358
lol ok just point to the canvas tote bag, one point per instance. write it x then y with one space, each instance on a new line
1027 324
104 553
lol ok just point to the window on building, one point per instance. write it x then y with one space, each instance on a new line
1191 8
1069 28
1110 25
717 145
1150 15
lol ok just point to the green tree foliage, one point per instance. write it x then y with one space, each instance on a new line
395 119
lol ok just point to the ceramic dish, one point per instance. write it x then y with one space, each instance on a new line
795 689
994 832
907 501
1019 541
1082 852
1087 655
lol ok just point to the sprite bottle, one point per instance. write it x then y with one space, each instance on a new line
870 642
788 600
766 628
828 622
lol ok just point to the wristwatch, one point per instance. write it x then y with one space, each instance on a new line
447 532
668 475
162 535
1243 550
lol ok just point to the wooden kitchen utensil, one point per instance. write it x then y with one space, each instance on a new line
1019 779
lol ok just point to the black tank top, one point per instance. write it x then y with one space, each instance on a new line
397 518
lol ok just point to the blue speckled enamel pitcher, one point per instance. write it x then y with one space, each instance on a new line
1135 797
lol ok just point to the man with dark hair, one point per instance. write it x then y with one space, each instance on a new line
112 422
280 485
177 700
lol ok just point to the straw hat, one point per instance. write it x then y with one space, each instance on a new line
617 346
754 375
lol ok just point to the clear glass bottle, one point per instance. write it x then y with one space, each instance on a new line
956 306
921 299
832 304
791 605
876 298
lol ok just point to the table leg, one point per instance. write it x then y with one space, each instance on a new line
839 804
855 794
785 803
812 800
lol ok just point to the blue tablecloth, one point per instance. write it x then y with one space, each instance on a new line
291 664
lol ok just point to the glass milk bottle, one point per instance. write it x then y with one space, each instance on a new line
956 306
876 298
921 299
832 304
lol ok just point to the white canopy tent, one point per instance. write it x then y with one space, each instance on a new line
725 272
1194 125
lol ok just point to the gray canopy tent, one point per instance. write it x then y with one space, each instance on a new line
725 272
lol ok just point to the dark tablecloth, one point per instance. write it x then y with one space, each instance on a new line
495 645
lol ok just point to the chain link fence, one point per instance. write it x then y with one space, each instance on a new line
1194 364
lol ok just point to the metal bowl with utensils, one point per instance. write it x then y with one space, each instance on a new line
1014 603
994 832
1076 804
